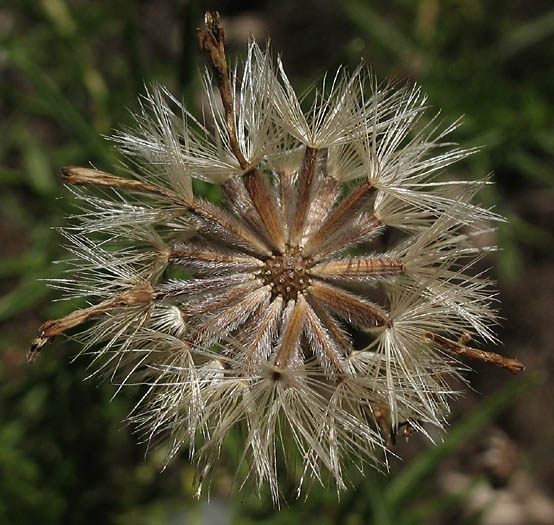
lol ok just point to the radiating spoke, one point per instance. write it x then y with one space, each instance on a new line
327 193
305 188
240 203
460 348
210 303
224 227
359 269
333 326
346 305
259 348
207 262
89 177
328 352
231 318
191 287
258 188
363 228
289 345
347 211
287 199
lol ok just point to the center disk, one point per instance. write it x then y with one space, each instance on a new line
288 273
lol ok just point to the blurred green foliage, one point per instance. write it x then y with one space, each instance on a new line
68 72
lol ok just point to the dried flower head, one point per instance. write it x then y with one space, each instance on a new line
324 305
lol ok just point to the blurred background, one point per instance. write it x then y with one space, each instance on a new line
70 70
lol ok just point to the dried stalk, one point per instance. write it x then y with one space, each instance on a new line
459 348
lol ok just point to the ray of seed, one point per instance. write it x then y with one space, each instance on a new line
327 352
305 188
206 262
213 304
241 205
333 327
240 339
227 228
358 269
89 177
360 229
230 318
257 185
260 347
234 346
50 329
327 193
513 365
346 305
346 211
287 198
190 287
291 337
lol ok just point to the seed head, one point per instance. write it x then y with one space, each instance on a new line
334 229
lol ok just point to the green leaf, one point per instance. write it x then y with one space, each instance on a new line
532 167
423 513
524 36
376 27
30 291
60 108
37 167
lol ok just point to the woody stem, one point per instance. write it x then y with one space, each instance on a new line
212 43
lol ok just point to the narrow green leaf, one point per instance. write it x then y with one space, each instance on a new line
38 171
14 266
376 27
423 513
60 15
524 36
379 507
60 107
532 167
31 290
